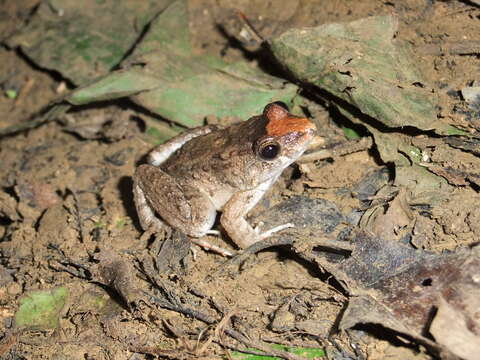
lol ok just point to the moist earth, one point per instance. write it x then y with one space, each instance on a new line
67 217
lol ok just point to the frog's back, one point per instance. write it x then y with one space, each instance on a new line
222 155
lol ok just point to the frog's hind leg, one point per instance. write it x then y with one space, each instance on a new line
159 195
146 216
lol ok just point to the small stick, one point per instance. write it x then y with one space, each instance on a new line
24 90
345 148
254 33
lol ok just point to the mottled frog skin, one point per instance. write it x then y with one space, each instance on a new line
208 169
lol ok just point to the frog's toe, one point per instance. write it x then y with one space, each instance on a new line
258 227
278 228
206 245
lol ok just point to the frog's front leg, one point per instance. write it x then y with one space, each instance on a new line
163 151
234 212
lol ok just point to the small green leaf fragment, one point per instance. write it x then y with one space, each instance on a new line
350 133
307 353
415 154
40 309
11 93
452 130
99 224
120 223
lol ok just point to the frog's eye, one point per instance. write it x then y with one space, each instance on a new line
269 150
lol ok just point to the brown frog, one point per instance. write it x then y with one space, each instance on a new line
204 170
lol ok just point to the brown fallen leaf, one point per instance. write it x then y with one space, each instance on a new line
116 273
398 287
394 222
390 284
451 329
36 194
453 176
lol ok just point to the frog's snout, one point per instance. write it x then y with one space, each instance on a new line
309 130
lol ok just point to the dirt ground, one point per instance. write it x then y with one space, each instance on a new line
67 216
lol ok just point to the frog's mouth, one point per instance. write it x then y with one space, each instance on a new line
300 138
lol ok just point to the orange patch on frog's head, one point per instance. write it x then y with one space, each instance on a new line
280 122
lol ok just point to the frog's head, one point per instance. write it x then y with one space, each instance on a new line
285 139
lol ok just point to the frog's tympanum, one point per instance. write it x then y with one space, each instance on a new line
207 169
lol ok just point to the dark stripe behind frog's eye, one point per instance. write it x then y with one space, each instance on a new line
269 150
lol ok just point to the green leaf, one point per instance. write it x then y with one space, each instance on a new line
119 84
361 63
170 32
40 309
307 353
230 92
167 78
452 130
350 133
72 38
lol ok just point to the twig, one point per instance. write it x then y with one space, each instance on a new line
151 350
234 262
221 326
467 47
67 265
265 348
267 351
35 120
345 148
24 90
277 340
165 304
254 33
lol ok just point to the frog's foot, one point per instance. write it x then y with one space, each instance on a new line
147 234
272 231
206 245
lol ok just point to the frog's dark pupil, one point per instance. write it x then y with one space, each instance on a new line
270 151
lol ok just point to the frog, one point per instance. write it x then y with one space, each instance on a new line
210 169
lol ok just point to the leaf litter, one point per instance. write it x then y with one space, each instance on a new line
164 76
392 243
65 36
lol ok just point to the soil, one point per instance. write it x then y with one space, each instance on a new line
66 204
